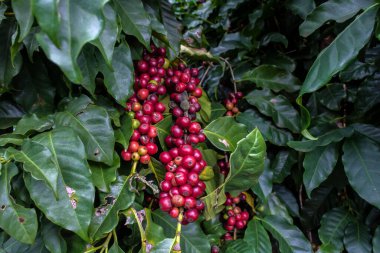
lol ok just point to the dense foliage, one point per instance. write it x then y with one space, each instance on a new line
283 137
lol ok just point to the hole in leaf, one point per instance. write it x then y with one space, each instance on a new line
110 200
3 207
97 152
21 219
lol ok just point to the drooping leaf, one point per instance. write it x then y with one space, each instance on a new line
318 165
276 207
301 7
272 77
335 135
89 66
53 240
16 220
103 175
367 92
333 224
93 126
134 20
106 217
256 236
214 201
246 162
273 134
32 122
265 183
277 107
341 51
368 130
14 139
107 38
332 96
193 240
282 165
290 238
72 37
357 238
119 79
360 160
288 199
46 13
336 10
274 37
37 160
72 209
24 15
225 132
164 246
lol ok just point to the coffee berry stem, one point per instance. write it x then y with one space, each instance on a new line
133 169
177 238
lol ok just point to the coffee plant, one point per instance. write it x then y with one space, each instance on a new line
247 126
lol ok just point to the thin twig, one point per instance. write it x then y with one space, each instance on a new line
231 71
205 74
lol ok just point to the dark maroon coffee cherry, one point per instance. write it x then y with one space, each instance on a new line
186 190
142 66
185 150
183 122
197 192
193 178
195 128
191 215
190 202
165 186
144 128
200 205
176 131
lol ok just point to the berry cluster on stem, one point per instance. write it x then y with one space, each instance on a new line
231 103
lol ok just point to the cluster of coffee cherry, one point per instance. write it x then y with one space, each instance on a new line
144 107
231 103
234 217
182 188
224 166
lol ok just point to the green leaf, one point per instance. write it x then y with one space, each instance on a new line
238 246
3 8
115 248
24 16
93 126
164 246
288 199
290 238
333 224
376 241
8 69
193 240
89 66
367 98
38 161
14 139
274 37
32 122
107 38
257 237
46 13
72 37
217 110
274 135
73 207
153 232
318 165
332 96
134 20
12 245
277 107
103 175
16 220
357 71
360 160
272 77
52 238
282 165
341 51
163 130
335 135
106 217
357 238
247 163
224 133
275 206
265 183
119 79
301 7
205 112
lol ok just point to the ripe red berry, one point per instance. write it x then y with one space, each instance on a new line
157 117
165 204
152 148
239 225
193 178
185 150
176 131
165 186
178 200
142 66
145 159
195 128
200 205
214 249
144 128
174 212
165 157
169 176
231 221
186 190
143 94
127 156
152 132
191 215
180 178
133 146
183 122
197 192
174 152
190 202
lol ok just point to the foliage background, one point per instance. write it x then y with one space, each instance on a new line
310 74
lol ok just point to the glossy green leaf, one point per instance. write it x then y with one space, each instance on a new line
274 37
119 79
367 92
172 26
106 217
288 199
164 246
24 16
335 135
217 110
52 238
46 13
357 238
89 66
32 122
103 175
275 206
341 51
72 37
272 77
256 236
134 20
8 69
18 221
357 71
73 207
290 238
163 130
14 139
301 7
153 232
333 224
332 96
12 245
38 161
376 241
360 160
337 10
273 134
318 165
224 133
238 246
214 201
126 131
193 240
205 112
107 38
3 8
246 162
277 107
282 165
115 248
93 126
265 183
